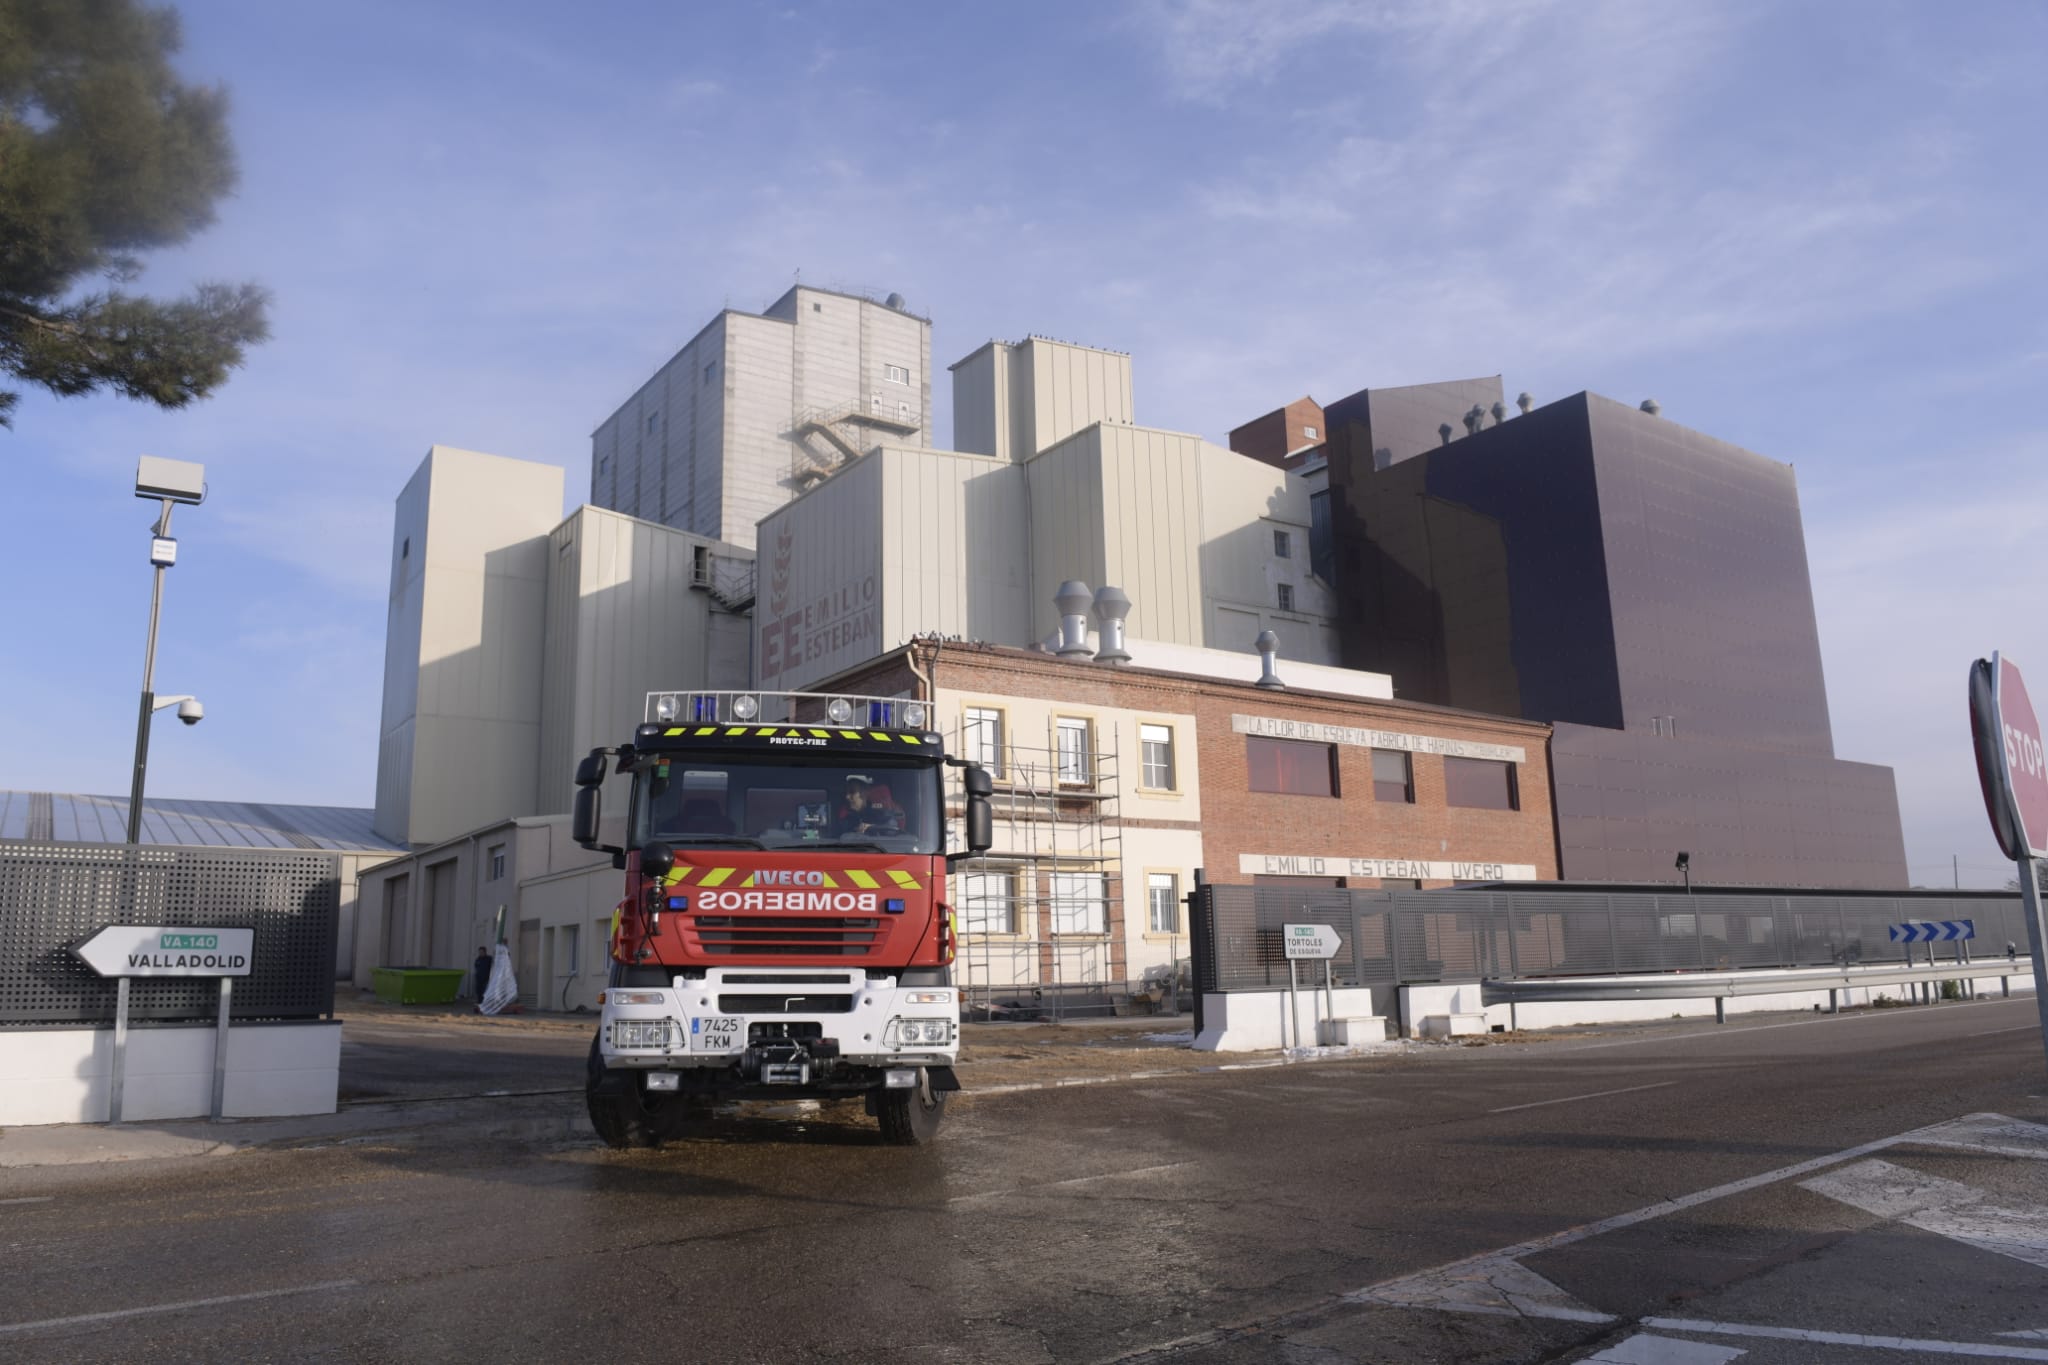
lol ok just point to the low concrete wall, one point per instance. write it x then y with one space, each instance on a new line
1256 1021
1419 1002
62 1075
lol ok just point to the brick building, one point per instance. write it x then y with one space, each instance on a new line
1115 784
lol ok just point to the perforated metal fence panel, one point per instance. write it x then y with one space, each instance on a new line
1392 937
55 895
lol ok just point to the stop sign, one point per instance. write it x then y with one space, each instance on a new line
2011 764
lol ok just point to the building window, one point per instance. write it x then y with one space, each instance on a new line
1076 764
497 856
1283 545
990 899
1291 767
601 944
1155 743
1481 783
405 547
1080 903
653 422
1287 597
981 738
1393 777
817 307
896 374
1309 433
710 372
1162 902
604 463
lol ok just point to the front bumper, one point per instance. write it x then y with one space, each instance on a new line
748 1018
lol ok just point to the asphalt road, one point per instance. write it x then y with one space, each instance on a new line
1608 1200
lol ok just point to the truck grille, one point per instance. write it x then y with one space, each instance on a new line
786 935
785 1004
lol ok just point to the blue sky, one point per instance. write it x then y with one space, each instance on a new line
1813 230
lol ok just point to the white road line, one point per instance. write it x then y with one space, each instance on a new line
1569 1099
1949 1348
1645 1349
1077 1180
32 1199
1993 1033
119 1313
1450 1281
1948 1208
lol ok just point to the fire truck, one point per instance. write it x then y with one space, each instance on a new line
785 930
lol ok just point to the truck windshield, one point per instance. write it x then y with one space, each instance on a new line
789 804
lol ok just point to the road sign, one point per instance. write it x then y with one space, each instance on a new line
174 950
1313 942
2011 765
1933 930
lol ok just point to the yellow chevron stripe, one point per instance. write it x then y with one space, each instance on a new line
749 880
717 876
827 879
877 734
736 730
910 739
849 734
865 880
821 734
903 879
766 731
707 730
679 876
676 731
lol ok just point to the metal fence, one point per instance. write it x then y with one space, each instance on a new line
53 896
1401 937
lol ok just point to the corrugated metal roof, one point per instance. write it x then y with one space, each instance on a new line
67 818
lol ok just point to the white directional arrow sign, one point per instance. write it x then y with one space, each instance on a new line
173 950
1314 942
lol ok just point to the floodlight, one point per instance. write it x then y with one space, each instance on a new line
177 480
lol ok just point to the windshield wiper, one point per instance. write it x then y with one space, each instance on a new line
852 845
698 840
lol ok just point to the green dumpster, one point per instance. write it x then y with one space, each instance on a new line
417 985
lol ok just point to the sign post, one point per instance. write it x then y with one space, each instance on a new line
1311 943
125 951
2012 768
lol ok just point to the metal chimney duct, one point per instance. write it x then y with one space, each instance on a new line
1500 411
1111 607
1268 645
1072 599
1445 432
1651 406
1524 401
1473 419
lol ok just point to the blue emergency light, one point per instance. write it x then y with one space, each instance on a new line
894 905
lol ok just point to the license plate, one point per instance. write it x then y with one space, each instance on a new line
717 1033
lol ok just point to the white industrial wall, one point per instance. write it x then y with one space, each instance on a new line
954 553
1070 387
659 456
478 596
623 620
1065 515
66 1075
758 380
819 609
584 899
981 402
1243 503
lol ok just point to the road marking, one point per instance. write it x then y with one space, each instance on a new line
1959 1212
1948 1348
1993 1133
1569 1099
1077 1180
1498 1285
1993 1033
2031 1334
119 1313
1644 1349
32 1199
1452 1287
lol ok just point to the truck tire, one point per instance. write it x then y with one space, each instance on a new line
910 1118
621 1120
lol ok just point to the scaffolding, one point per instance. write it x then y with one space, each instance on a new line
1041 929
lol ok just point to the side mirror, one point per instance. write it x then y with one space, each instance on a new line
656 860
981 823
583 822
590 772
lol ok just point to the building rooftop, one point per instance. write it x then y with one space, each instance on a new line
67 818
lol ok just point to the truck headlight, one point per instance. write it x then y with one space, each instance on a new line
635 998
928 998
920 1032
641 1033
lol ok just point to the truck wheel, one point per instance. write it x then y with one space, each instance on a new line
620 1120
910 1118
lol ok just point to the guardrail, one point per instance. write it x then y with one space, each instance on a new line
1719 985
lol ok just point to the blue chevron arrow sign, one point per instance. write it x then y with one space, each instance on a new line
1933 930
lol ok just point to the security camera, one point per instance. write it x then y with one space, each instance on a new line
191 711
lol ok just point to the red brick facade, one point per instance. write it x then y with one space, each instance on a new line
1239 822
1283 437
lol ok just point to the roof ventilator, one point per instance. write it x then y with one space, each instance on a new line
1072 599
1268 645
1111 607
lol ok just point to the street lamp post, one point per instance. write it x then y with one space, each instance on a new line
170 482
